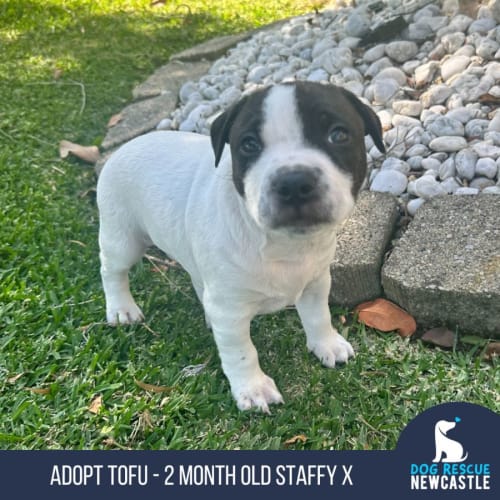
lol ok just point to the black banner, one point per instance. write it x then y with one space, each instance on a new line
450 450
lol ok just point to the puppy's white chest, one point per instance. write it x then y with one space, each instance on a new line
283 284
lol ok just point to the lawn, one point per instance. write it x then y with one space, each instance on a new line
67 380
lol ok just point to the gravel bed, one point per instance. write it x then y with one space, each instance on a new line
435 85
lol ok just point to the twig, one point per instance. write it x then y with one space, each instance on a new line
84 95
70 82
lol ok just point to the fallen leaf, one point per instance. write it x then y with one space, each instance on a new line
492 351
58 72
295 439
386 317
38 390
89 154
76 242
95 405
441 337
111 442
151 387
193 370
489 99
115 119
15 378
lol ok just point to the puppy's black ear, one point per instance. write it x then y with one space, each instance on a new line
373 127
219 132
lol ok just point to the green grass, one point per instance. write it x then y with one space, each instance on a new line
57 355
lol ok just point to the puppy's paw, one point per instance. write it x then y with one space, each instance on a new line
259 393
124 314
334 349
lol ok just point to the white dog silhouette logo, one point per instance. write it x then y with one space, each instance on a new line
453 450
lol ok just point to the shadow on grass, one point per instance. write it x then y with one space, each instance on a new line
54 57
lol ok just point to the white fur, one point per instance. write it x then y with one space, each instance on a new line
163 189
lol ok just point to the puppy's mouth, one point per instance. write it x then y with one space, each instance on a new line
302 219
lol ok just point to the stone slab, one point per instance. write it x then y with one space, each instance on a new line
138 118
217 47
213 49
361 246
445 270
170 78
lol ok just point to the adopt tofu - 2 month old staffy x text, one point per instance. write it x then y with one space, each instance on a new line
257 233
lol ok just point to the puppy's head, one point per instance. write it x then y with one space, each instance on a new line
298 153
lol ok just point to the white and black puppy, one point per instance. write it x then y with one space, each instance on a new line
256 234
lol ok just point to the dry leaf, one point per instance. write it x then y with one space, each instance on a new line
89 154
58 72
386 317
492 351
77 242
151 387
296 439
96 405
115 119
489 99
441 337
111 442
38 390
15 378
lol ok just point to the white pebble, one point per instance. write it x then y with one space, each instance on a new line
447 169
466 191
401 51
486 167
414 205
454 65
485 149
428 187
431 164
448 144
437 94
392 163
450 185
407 107
481 183
491 190
390 181
375 53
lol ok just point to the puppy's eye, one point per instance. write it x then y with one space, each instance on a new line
250 146
338 135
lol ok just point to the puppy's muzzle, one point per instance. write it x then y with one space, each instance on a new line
296 187
297 199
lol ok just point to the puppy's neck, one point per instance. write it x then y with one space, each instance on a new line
290 246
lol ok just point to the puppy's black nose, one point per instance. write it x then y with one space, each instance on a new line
295 187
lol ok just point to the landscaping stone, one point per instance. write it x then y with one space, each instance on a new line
138 118
211 50
169 78
361 246
445 270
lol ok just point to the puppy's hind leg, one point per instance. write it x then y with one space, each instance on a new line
120 250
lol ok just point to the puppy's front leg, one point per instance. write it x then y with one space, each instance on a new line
322 339
250 386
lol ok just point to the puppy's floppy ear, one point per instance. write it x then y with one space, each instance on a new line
373 127
221 127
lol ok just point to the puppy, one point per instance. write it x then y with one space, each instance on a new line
256 234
